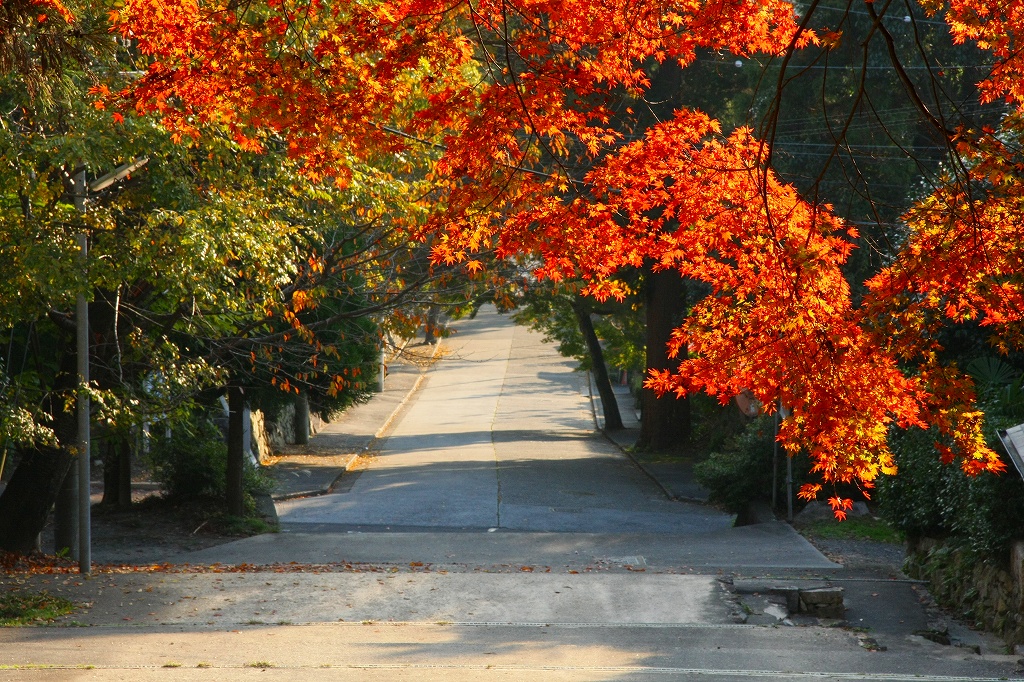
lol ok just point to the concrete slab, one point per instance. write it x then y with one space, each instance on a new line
374 593
774 547
343 651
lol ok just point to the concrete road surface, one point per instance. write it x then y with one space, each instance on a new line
494 536
501 436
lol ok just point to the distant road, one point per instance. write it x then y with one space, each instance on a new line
501 435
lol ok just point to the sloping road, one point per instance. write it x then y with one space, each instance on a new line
501 436
495 536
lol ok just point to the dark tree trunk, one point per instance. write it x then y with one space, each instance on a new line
609 405
36 482
117 473
111 460
302 419
665 422
66 514
236 456
124 473
29 496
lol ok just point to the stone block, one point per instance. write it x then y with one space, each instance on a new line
265 508
822 602
1017 562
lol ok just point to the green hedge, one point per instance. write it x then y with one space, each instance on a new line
740 470
980 514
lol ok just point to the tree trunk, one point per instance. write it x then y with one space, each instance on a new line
236 455
609 405
124 473
433 315
65 514
301 422
35 484
117 473
29 496
665 422
111 461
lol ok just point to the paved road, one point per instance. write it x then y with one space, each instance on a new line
495 536
496 462
501 436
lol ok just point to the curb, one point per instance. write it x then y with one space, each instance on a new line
316 492
623 449
374 442
379 434
682 496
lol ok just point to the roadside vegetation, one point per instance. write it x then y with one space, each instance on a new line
870 528
18 608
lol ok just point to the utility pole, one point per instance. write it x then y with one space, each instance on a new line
83 405
83 470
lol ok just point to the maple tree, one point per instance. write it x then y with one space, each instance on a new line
498 100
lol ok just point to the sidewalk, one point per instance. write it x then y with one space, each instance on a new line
673 474
316 468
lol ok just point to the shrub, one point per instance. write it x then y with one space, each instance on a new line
713 423
926 498
192 465
740 471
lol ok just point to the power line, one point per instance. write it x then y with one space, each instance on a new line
847 144
890 68
739 63
906 19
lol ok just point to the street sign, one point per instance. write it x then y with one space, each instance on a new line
1013 441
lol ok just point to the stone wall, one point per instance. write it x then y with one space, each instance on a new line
272 432
262 448
989 594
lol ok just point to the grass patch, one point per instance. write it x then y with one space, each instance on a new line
245 526
32 608
260 664
854 528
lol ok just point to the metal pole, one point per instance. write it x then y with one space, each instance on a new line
84 475
775 461
789 488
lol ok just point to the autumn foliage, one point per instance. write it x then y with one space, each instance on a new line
501 98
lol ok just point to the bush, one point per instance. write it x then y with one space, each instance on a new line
713 423
981 514
192 465
740 471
